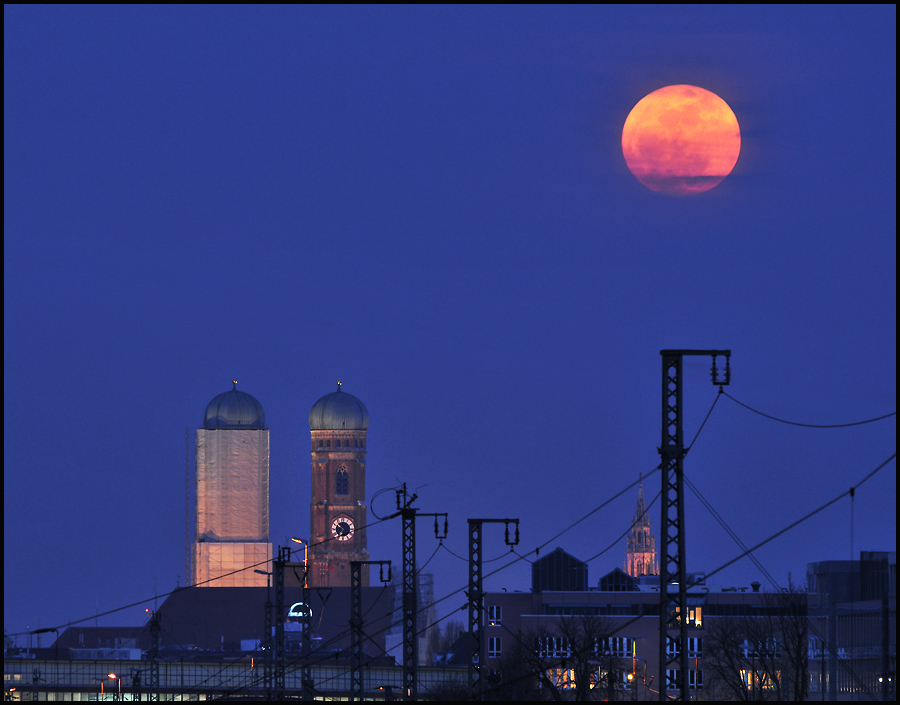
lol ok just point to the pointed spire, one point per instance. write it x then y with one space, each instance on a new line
641 509
640 547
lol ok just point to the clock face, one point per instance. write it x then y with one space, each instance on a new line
342 528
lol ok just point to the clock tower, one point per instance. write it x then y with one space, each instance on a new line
337 513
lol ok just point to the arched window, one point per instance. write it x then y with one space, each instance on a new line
342 482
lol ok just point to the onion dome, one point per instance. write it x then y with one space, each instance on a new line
234 409
338 411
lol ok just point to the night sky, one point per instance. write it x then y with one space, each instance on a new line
431 205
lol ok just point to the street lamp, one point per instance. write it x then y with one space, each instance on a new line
113 676
305 559
109 676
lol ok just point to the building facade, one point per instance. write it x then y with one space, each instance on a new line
853 627
604 641
640 548
338 515
231 536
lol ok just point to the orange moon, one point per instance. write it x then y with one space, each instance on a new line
681 140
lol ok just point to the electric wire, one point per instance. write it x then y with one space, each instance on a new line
720 568
536 551
809 425
802 519
628 530
767 574
626 624
725 565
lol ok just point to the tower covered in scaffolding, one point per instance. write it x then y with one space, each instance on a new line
232 494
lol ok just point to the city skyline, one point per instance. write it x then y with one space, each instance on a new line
431 205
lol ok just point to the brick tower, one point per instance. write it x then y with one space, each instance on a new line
338 515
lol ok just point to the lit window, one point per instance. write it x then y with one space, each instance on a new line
562 678
756 680
495 615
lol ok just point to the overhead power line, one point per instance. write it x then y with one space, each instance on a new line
802 519
808 425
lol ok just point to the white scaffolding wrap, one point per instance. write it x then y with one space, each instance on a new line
231 564
233 485
232 508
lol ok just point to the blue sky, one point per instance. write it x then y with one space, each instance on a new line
431 205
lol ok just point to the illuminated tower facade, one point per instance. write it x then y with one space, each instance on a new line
640 550
232 502
338 516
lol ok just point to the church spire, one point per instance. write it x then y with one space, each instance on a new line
640 549
641 510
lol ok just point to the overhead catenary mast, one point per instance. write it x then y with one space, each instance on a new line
673 603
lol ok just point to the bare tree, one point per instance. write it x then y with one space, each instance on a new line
761 655
568 659
441 640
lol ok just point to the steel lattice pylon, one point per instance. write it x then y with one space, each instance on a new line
410 662
475 583
673 604
155 627
476 597
356 623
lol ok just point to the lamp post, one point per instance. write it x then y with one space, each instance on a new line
267 637
112 677
118 694
305 645
305 559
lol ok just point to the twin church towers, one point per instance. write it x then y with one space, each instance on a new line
231 526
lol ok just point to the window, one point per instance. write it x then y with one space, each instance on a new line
695 679
672 679
495 646
757 680
342 482
552 646
617 646
695 647
695 615
768 649
495 615
562 678
672 650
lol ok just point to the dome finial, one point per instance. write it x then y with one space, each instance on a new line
339 385
234 382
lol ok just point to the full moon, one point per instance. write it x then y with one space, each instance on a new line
681 140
